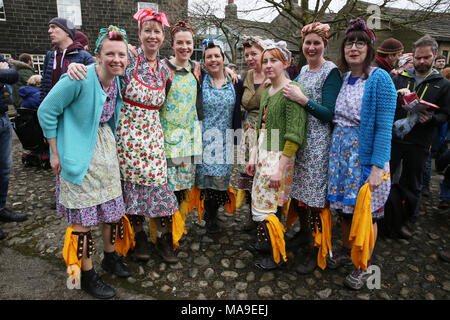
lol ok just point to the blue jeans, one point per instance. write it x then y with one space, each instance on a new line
5 157
445 191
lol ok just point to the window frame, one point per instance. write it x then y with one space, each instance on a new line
2 11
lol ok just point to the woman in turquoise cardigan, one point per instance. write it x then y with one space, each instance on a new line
79 119
361 140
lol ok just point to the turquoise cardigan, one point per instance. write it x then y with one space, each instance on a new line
71 113
377 117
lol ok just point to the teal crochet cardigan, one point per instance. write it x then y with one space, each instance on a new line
377 117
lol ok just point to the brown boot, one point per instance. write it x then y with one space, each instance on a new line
141 250
165 248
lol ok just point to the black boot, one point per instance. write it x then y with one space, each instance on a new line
249 225
262 240
112 262
307 260
94 285
164 247
10 216
268 262
210 216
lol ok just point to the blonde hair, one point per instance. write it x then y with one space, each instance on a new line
35 81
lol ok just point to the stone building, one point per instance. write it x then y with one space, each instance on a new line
24 23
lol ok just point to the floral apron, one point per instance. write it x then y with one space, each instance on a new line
265 199
140 136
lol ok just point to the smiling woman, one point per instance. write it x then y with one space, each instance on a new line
88 188
181 114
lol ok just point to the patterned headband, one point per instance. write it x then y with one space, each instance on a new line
211 40
148 14
360 24
109 33
247 40
280 45
317 27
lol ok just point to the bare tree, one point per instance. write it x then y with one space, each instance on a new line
292 15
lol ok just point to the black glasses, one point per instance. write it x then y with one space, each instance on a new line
358 44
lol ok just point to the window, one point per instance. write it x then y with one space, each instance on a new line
445 54
148 5
6 56
71 10
38 62
2 11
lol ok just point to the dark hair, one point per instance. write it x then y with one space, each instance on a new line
211 45
440 57
25 57
248 43
357 35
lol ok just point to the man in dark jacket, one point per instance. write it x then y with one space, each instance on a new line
8 75
414 147
388 55
62 33
25 69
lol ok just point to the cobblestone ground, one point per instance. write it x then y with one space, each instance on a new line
217 267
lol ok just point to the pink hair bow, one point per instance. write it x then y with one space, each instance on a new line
149 14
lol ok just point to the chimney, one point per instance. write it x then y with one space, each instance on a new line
231 10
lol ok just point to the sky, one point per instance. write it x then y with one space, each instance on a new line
267 15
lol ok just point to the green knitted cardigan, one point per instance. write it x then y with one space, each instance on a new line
284 116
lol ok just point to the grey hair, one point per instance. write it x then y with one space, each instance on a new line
426 41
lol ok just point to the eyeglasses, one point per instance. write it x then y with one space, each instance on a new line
358 44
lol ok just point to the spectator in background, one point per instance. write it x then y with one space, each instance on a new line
405 62
414 147
293 70
8 74
82 39
30 94
62 33
439 63
388 54
24 67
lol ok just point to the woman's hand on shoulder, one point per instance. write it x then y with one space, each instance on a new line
77 71
132 50
233 75
294 93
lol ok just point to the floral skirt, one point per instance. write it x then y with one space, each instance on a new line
149 201
99 198
266 200
181 177
347 175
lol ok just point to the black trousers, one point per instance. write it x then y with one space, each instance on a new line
414 158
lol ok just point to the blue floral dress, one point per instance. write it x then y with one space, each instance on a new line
346 174
311 163
218 105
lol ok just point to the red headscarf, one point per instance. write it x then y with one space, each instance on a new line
148 14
